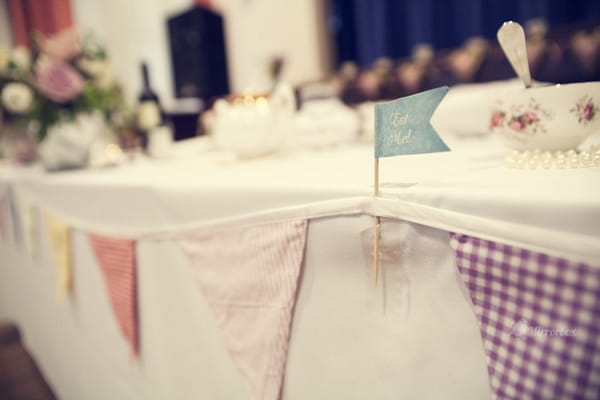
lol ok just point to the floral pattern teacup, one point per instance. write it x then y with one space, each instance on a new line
557 117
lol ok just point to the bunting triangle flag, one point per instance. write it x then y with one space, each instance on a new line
538 316
3 218
117 261
249 276
17 229
60 242
29 217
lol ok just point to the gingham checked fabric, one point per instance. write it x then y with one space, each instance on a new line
539 318
116 258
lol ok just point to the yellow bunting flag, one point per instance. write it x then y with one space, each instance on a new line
60 240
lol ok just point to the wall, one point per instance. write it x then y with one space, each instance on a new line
255 30
258 30
133 31
5 35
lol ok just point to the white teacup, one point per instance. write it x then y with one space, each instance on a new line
555 117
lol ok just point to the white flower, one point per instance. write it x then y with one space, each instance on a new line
16 97
105 79
21 57
91 66
99 70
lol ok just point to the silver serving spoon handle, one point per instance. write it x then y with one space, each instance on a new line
512 40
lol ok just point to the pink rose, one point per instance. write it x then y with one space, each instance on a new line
58 81
517 124
588 111
497 119
62 46
530 117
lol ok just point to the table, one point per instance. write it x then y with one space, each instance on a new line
415 336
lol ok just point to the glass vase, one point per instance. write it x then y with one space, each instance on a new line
18 144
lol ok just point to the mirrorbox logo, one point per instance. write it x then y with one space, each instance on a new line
523 328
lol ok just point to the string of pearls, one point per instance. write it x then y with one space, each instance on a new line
533 159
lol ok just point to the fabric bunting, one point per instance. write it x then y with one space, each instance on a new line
249 277
3 219
60 241
17 229
28 220
117 261
538 317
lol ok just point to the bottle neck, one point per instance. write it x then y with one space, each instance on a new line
145 76
146 93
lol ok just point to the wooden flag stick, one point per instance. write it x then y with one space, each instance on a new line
377 232
376 250
376 186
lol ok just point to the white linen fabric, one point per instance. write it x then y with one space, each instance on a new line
424 343
552 210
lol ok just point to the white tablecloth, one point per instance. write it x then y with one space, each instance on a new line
414 337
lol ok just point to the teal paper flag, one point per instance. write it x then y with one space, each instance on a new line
402 126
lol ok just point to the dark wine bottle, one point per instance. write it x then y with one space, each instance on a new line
149 113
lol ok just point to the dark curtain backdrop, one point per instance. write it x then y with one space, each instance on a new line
367 29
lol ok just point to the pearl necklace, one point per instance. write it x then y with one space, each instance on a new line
533 159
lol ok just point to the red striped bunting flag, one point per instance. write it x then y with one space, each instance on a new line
116 258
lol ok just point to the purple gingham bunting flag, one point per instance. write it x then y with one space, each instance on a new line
539 318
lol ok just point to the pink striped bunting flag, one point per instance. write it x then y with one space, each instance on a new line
249 277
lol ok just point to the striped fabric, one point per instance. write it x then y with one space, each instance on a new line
249 277
116 258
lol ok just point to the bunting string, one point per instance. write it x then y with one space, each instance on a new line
577 247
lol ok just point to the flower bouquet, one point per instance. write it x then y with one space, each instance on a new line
62 93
